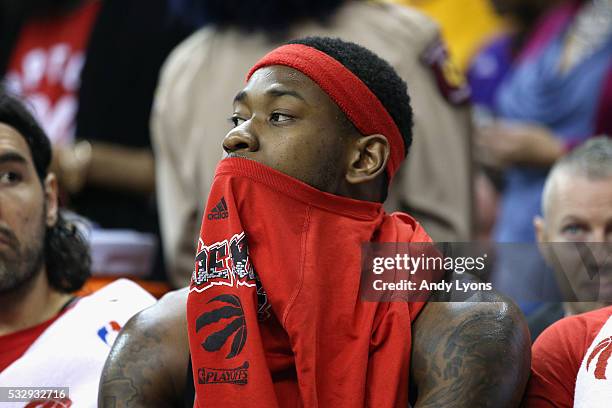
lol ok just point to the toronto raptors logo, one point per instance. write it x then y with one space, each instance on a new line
228 310
223 263
602 351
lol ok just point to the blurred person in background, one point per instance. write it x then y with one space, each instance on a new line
465 25
552 90
556 94
571 359
576 207
89 68
48 336
494 59
188 127
484 74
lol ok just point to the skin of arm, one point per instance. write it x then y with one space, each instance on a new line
105 165
470 354
147 365
125 168
465 354
502 145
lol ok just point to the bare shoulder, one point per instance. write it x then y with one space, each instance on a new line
147 364
171 310
474 353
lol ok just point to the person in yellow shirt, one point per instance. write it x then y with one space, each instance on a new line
465 24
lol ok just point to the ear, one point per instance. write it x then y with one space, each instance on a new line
540 229
368 158
539 224
51 199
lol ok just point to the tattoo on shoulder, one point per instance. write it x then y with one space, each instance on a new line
470 360
129 370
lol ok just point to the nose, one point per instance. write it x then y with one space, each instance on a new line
240 139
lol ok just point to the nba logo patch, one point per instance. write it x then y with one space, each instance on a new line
108 333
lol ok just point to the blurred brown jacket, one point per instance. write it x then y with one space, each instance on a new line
204 73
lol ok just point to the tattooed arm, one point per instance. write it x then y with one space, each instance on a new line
470 354
147 365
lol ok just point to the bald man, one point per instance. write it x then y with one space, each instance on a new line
570 358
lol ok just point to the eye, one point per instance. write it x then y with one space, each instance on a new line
573 229
280 117
10 177
236 120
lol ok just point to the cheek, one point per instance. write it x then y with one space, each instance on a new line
324 146
569 264
24 213
562 237
307 154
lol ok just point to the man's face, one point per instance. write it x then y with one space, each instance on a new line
578 226
579 210
285 121
23 212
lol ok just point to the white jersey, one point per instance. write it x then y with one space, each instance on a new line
594 380
72 351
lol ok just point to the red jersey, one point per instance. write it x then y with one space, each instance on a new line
14 345
556 358
275 317
45 67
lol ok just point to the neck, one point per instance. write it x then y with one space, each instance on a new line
31 304
369 191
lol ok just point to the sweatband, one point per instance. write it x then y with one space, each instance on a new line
352 96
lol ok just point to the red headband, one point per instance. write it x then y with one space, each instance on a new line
353 97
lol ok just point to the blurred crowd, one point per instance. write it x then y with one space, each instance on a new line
134 97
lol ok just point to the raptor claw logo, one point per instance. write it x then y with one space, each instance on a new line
604 350
236 327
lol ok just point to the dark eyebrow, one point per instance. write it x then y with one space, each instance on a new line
571 218
240 96
12 157
278 92
274 92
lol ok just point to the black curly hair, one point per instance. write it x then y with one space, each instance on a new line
66 252
376 73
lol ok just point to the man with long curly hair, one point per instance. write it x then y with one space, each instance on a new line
48 336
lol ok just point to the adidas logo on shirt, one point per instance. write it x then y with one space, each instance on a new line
219 212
